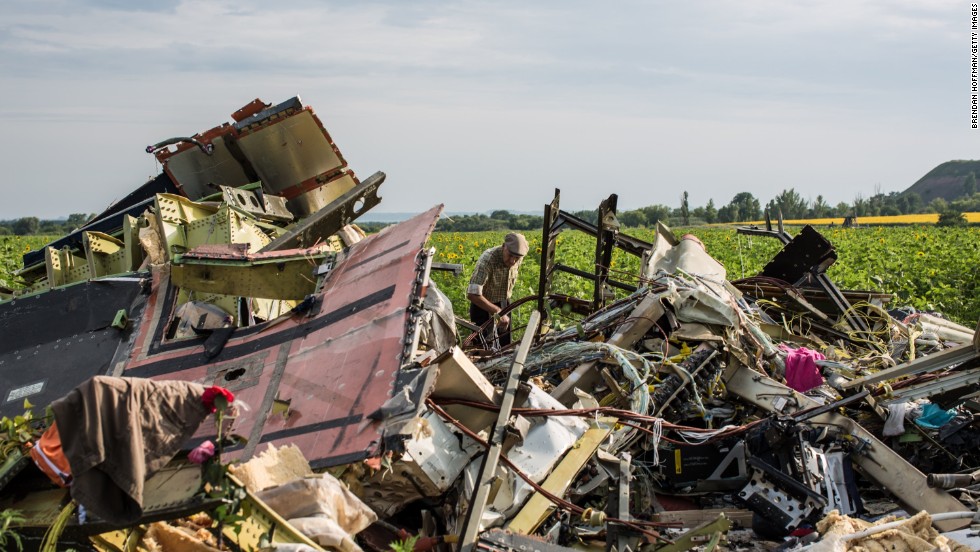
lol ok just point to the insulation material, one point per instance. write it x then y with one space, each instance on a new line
686 254
149 237
322 508
708 300
914 535
351 234
438 327
705 305
273 467
162 537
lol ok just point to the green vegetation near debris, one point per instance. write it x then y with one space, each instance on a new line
9 538
12 249
926 267
32 226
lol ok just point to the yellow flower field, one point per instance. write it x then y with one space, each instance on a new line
924 218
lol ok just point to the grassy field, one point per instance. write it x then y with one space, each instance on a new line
926 267
12 249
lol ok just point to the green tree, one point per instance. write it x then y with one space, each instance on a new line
26 226
951 217
77 220
913 203
967 204
526 222
744 206
970 185
937 205
860 206
51 227
876 202
820 208
685 211
588 216
633 219
789 203
710 212
655 213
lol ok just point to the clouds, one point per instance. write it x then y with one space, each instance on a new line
514 97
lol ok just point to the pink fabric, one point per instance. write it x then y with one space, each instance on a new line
802 372
202 453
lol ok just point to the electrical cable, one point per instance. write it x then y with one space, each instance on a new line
636 525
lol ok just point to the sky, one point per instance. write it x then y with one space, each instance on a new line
484 105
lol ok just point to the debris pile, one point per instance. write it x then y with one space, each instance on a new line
773 401
673 416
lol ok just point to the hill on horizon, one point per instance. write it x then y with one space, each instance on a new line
945 181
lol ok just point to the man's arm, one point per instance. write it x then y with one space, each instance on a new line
482 302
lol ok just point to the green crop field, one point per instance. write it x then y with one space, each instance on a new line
12 249
926 267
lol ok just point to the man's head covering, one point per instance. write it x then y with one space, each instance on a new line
516 244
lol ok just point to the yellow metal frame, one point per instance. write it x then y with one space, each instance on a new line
538 508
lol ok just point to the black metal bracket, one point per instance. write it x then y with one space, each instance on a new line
805 259
607 236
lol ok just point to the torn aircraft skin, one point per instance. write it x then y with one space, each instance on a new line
241 270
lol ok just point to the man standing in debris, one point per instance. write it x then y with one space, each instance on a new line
492 281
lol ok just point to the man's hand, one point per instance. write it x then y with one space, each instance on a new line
504 321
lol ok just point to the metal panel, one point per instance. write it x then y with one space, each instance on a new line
318 198
227 270
111 220
290 151
334 369
807 250
964 382
331 218
195 171
171 492
930 363
39 332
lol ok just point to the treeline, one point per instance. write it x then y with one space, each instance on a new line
497 220
33 226
743 207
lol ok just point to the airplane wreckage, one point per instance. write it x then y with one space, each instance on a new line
685 411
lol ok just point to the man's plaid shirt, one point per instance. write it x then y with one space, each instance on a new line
491 277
